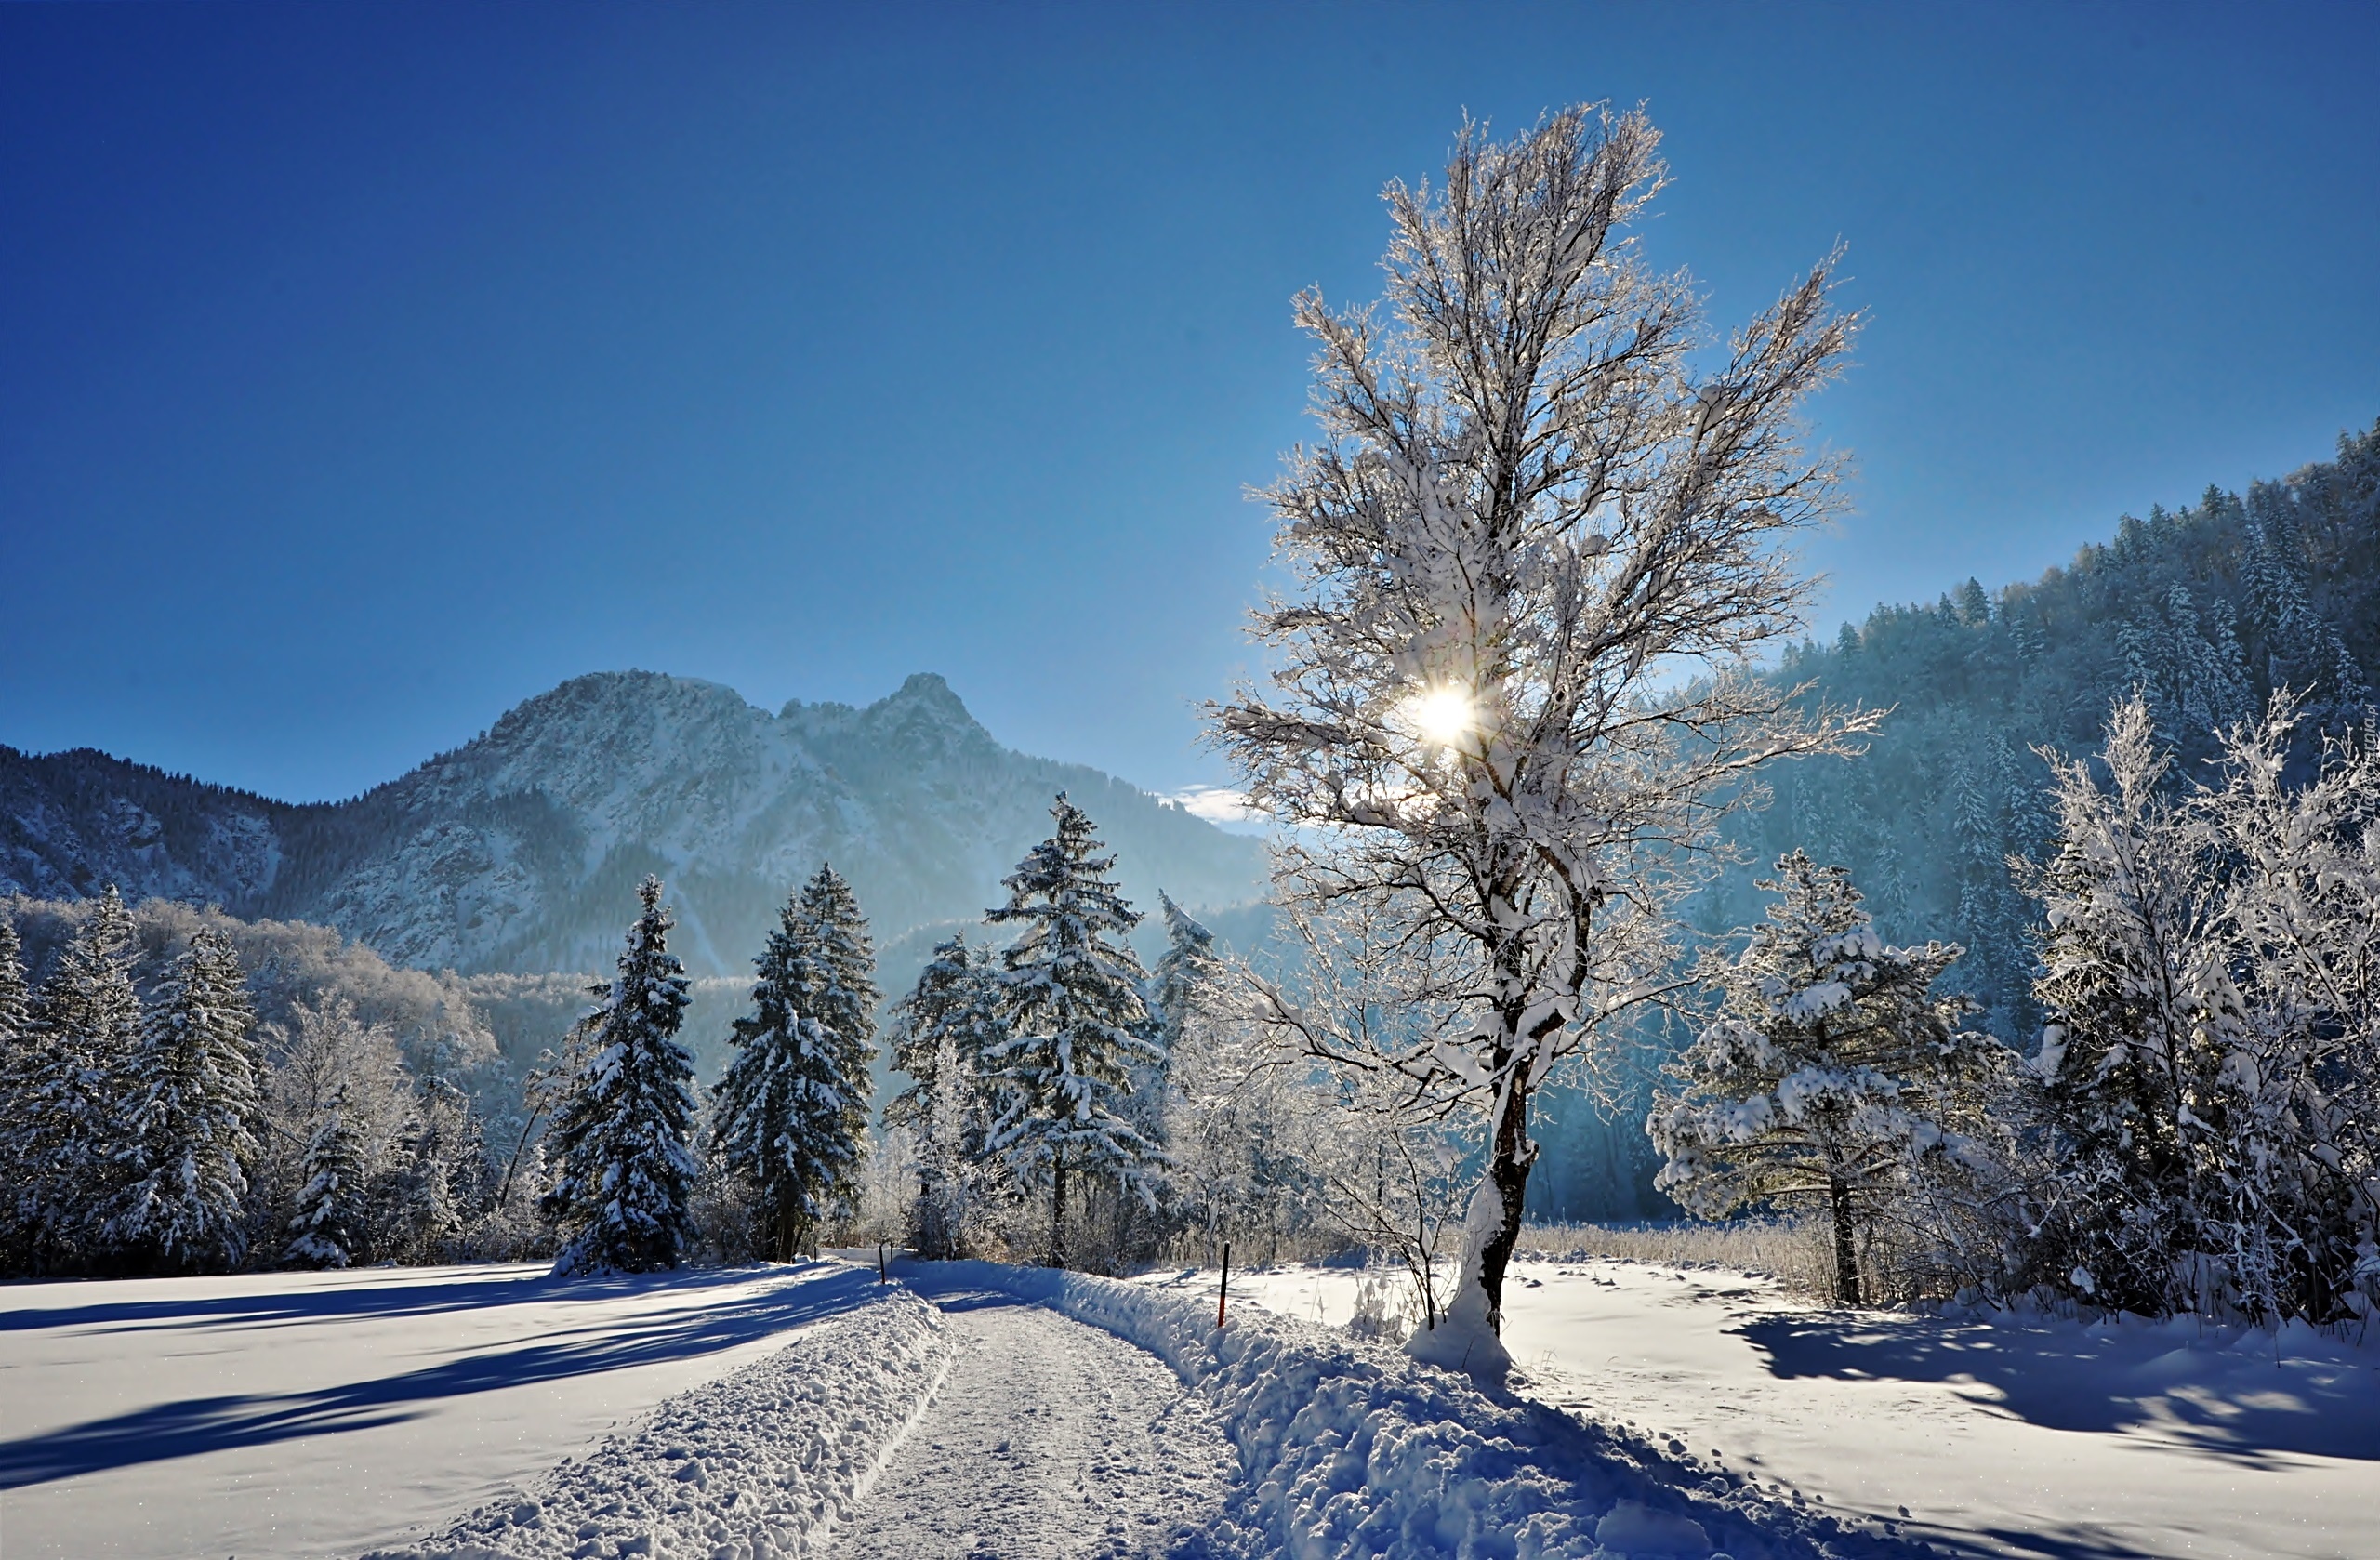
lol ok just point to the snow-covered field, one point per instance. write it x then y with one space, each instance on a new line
2008 1435
312 1414
975 1410
462 1415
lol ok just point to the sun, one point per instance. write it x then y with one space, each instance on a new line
1443 716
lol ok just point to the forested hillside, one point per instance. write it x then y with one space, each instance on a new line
2207 610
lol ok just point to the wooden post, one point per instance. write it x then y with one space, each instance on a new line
1224 1292
883 1270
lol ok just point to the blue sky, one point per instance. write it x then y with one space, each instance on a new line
364 370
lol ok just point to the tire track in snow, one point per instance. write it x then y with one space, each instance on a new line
1048 1439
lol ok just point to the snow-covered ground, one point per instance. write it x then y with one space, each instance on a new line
463 1414
767 1462
467 1413
1049 1438
312 1414
2000 1434
1348 1447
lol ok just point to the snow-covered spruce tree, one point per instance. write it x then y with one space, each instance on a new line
942 1031
953 1007
2134 981
1833 1077
623 1168
329 1228
1540 552
85 1036
188 1134
1075 1025
17 1077
792 1111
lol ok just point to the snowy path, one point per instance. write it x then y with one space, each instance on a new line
2026 1438
284 1415
1047 1439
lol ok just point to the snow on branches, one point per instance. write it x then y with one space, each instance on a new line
329 1230
1538 552
1833 1075
187 1144
2210 1073
625 1172
942 1031
1075 1025
793 1108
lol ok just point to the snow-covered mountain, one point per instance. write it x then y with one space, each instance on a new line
520 850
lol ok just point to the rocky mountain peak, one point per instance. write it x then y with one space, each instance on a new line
520 849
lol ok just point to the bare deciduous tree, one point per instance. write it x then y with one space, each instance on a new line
1537 549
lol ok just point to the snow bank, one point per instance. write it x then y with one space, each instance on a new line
1351 1447
1993 1432
755 1465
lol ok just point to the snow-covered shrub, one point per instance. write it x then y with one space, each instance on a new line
2210 1075
1384 1310
1834 1077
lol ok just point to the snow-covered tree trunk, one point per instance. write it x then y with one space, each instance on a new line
1539 554
1844 1221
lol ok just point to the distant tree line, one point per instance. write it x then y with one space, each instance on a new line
154 1124
2197 1130
150 1123
2207 611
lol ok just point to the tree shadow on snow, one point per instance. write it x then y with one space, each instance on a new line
2070 1543
2236 1404
199 1425
358 1292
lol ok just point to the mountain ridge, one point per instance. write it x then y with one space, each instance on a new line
516 850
